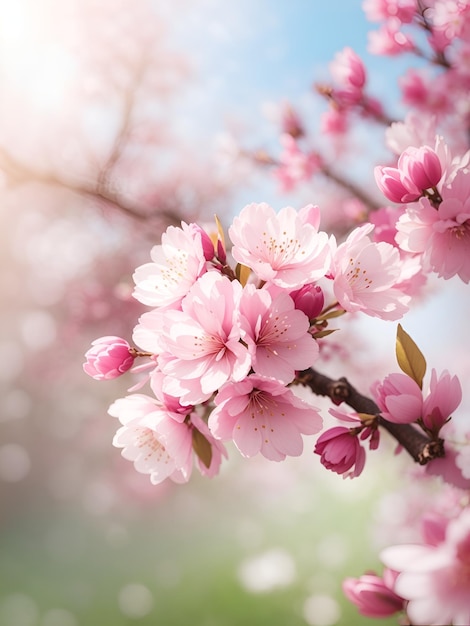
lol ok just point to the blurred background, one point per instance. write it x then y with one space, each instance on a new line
118 118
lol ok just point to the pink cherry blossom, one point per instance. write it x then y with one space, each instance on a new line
309 299
341 452
442 235
348 72
295 165
108 358
276 333
391 183
435 579
176 265
373 595
445 395
399 398
421 166
365 274
152 439
389 40
263 416
280 247
202 348
334 121
379 10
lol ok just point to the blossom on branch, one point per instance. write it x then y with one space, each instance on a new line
283 248
109 357
263 416
365 274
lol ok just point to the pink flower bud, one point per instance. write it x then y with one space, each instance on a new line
309 299
399 398
108 358
390 182
421 166
445 395
341 451
372 596
206 242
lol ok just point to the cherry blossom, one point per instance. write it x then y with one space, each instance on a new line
176 264
365 274
263 416
442 235
280 247
434 579
295 165
341 452
276 333
109 357
399 398
202 348
374 595
152 439
445 395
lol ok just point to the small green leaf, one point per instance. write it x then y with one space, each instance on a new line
202 447
331 314
242 272
409 357
323 333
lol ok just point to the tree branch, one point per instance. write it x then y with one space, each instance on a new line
419 446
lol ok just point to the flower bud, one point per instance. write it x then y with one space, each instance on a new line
309 299
390 182
372 596
108 358
421 166
340 451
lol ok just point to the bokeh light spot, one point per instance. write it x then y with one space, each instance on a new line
135 600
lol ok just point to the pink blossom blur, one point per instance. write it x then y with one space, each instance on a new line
108 358
373 595
435 579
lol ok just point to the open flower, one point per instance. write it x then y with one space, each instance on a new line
365 274
202 348
157 442
262 415
435 579
277 334
109 357
284 248
176 265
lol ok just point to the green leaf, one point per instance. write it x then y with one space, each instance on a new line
323 333
202 447
242 272
331 314
409 357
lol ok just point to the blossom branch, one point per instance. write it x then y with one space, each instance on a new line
419 446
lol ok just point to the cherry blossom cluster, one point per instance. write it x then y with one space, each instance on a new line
428 577
223 342
434 189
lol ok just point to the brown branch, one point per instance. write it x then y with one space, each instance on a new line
18 173
420 447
